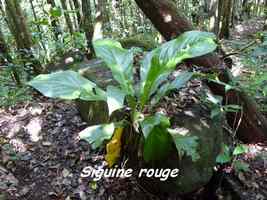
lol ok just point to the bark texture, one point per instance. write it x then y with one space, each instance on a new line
67 16
88 27
19 29
54 21
226 17
171 23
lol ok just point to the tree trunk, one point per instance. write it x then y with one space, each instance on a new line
212 9
54 21
100 20
67 16
170 23
88 27
78 11
20 31
5 58
265 13
38 26
74 15
226 16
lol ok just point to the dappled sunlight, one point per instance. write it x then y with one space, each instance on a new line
180 131
189 113
69 60
18 145
34 128
167 18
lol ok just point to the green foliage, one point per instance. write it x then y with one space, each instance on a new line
240 149
162 61
144 41
240 165
55 12
228 156
224 156
11 96
67 85
254 61
158 142
115 98
10 93
119 60
185 144
95 135
156 66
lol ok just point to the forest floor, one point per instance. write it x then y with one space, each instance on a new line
41 158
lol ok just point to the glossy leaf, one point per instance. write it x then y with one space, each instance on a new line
115 98
150 122
157 140
67 85
185 144
119 60
55 12
95 135
240 149
164 59
157 145
224 156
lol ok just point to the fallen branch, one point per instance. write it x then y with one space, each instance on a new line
240 50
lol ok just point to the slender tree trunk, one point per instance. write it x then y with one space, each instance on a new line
5 58
213 15
265 16
88 27
38 26
78 11
67 16
226 17
99 20
171 23
74 15
18 24
54 21
265 13
20 31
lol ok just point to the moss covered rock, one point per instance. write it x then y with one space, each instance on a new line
192 175
141 40
95 112
194 117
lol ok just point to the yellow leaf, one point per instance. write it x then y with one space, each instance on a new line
113 148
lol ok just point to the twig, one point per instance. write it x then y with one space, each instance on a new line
240 50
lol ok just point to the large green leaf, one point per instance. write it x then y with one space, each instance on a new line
67 85
225 155
164 59
95 135
115 98
185 144
158 141
119 60
157 145
240 149
150 122
55 12
177 83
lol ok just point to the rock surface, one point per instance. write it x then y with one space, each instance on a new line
192 116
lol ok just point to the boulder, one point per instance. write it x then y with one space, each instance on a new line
193 116
192 175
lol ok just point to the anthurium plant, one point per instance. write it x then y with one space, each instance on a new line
156 66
